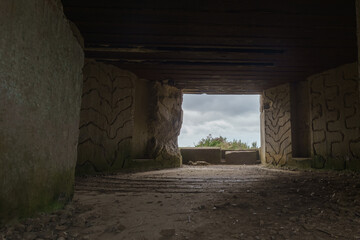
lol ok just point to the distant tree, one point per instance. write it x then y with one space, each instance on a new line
223 143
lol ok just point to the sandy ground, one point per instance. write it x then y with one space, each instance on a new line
205 202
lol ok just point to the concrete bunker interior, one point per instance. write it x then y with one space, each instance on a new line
95 87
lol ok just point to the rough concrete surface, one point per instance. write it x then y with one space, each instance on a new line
106 120
40 89
207 154
213 202
141 119
300 119
335 118
164 124
241 157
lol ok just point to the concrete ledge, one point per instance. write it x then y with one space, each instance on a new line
223 152
207 154
241 157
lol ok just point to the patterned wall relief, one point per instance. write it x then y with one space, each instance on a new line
277 117
164 125
335 115
106 121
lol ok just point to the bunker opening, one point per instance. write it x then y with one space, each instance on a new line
220 129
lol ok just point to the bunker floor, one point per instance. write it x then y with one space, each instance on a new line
205 202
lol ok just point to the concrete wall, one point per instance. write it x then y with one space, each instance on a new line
107 118
40 89
358 34
127 122
141 119
277 125
300 119
241 157
207 154
335 118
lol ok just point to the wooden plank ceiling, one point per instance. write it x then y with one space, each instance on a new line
218 46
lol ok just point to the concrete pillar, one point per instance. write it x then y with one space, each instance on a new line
165 122
157 124
40 90
277 125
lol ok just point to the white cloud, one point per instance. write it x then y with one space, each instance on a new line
231 116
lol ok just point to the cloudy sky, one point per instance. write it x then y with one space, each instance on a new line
231 116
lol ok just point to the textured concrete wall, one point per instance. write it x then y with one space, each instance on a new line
141 119
40 88
107 118
335 118
300 119
277 123
165 122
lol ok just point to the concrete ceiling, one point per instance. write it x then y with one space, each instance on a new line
208 46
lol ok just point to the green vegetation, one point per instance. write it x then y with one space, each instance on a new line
223 143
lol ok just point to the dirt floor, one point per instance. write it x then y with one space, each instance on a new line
205 202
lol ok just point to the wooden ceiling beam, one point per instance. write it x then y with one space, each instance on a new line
338 7
113 17
121 40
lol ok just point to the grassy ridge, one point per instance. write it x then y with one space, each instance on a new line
223 143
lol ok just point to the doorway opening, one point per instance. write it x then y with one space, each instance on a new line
220 129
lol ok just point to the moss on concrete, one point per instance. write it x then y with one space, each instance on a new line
318 162
41 191
40 88
335 163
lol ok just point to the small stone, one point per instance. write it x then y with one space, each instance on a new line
61 228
